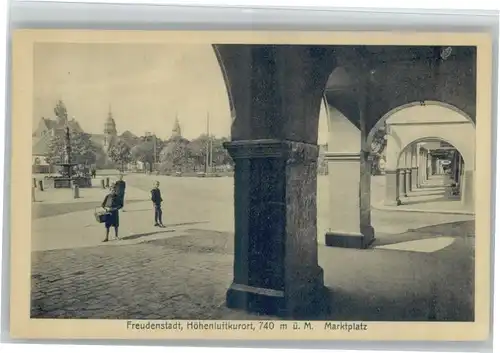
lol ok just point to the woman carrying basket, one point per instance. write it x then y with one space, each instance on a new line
112 203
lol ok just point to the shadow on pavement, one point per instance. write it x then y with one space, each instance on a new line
410 201
141 235
451 229
185 224
137 236
199 241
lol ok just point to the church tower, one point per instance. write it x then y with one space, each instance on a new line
110 132
176 130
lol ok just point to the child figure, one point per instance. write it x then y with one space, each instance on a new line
157 200
112 203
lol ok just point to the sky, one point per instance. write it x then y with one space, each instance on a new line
144 85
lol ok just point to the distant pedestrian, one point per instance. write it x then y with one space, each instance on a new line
157 200
93 172
112 203
120 189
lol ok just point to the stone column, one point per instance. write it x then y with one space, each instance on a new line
392 188
461 163
420 168
467 190
392 196
365 182
456 168
407 172
349 226
365 202
414 169
409 175
434 166
402 182
275 220
467 185
408 181
423 168
349 169
414 178
426 165
428 162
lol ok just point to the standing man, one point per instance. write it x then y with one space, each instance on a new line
157 200
120 189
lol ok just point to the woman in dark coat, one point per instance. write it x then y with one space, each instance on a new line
112 203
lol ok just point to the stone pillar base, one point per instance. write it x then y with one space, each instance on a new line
350 240
259 300
314 302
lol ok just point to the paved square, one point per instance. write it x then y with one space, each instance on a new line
184 270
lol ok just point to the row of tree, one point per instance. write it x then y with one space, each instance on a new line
177 154
181 155
83 150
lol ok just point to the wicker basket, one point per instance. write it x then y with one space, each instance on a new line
101 215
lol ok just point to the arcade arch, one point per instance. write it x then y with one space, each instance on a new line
380 124
415 122
408 127
427 165
430 142
405 126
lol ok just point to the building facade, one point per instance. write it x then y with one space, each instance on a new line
48 128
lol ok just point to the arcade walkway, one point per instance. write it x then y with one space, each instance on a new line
434 196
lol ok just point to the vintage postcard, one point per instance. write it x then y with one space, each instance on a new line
251 185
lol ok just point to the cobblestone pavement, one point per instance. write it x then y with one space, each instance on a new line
185 277
181 277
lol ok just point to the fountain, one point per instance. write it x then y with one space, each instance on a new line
67 179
